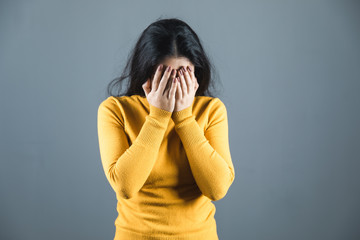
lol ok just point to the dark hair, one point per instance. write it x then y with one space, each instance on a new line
161 39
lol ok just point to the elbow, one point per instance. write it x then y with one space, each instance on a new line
220 193
216 197
120 187
216 194
125 193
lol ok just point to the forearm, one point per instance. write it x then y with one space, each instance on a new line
134 166
127 168
211 172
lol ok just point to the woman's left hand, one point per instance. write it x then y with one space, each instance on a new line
186 87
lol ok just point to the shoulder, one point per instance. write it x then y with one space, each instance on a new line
112 109
214 109
108 102
114 103
211 103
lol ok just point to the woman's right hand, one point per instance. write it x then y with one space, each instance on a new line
157 94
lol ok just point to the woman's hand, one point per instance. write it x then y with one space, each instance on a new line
155 91
186 89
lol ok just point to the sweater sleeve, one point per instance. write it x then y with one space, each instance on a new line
208 152
128 167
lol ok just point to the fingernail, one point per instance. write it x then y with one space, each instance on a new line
160 66
189 69
168 68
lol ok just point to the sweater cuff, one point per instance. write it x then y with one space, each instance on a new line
160 114
180 116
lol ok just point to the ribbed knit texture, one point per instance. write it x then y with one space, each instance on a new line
165 167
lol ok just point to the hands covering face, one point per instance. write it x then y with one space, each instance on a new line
186 88
185 82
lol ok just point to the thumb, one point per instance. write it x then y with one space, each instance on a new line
146 87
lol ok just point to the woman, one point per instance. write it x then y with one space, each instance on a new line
164 144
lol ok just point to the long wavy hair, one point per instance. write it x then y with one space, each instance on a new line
164 38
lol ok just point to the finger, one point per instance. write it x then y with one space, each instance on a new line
169 85
179 93
182 81
173 75
157 76
192 74
173 88
193 78
164 79
191 71
188 79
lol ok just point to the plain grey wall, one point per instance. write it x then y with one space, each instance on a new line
290 80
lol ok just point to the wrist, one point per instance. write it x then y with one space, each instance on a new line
179 116
159 113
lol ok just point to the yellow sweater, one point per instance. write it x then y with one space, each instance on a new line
165 167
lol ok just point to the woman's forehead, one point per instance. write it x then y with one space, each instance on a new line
176 62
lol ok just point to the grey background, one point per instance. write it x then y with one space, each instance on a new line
289 74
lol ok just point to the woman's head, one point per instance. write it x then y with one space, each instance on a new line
168 42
